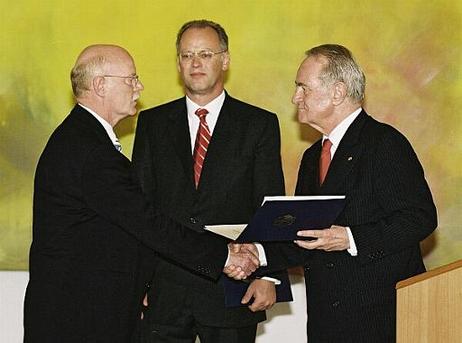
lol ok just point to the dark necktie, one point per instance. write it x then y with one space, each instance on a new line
324 161
202 142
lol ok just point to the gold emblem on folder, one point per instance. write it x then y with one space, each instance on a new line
285 220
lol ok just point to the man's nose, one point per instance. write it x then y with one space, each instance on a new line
196 61
297 97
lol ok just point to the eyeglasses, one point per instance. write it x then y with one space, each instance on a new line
134 79
204 55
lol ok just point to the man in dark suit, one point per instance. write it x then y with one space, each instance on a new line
91 219
205 171
352 267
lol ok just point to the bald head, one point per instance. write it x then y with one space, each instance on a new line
95 60
104 80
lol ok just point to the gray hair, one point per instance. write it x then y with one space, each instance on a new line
341 67
202 24
83 73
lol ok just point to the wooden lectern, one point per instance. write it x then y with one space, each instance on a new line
429 306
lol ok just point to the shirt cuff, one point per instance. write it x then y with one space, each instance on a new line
261 255
271 279
264 262
352 250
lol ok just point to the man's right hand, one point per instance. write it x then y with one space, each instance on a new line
243 261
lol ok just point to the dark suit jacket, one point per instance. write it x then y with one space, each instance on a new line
242 165
89 218
389 210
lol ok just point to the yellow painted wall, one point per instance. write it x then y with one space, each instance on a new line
410 51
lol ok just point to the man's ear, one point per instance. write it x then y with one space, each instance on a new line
98 85
226 60
340 93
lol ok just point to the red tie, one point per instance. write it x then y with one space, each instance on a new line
324 161
202 142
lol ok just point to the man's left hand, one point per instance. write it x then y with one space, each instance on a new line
263 293
333 239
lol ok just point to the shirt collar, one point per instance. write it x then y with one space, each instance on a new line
339 131
213 106
106 125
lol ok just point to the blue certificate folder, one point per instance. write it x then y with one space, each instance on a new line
279 218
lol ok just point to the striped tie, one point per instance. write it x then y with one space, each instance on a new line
202 142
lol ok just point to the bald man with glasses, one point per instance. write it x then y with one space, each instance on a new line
91 221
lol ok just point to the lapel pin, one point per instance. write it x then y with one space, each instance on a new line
350 158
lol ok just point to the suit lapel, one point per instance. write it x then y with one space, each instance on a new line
220 148
178 128
346 156
308 179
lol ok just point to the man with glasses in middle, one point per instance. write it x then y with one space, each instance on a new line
206 158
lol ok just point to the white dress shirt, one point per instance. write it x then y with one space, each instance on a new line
213 107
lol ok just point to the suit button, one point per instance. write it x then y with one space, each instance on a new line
330 265
306 269
193 220
335 303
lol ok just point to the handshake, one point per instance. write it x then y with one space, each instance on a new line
242 260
